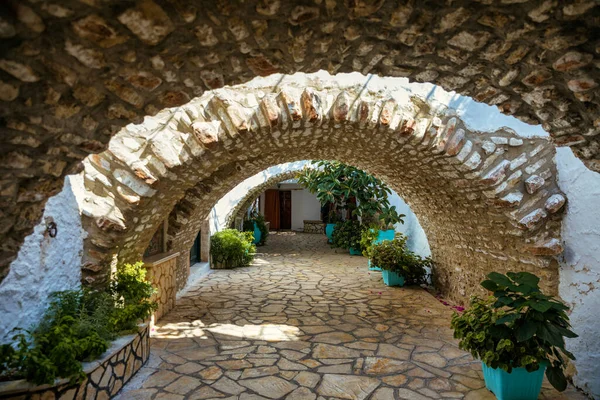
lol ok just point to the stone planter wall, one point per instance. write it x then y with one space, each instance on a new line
161 272
105 377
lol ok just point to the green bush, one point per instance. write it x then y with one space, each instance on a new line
347 234
367 240
231 248
77 326
262 227
132 295
393 255
517 327
350 188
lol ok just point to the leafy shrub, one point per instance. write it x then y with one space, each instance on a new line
367 240
76 327
393 255
517 327
231 248
339 183
260 224
347 234
132 295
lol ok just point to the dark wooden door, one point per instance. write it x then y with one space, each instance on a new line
272 208
195 251
285 202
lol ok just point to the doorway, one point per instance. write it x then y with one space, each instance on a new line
285 206
195 250
278 209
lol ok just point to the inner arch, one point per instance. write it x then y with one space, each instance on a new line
486 201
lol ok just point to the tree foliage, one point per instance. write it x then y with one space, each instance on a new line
338 183
519 326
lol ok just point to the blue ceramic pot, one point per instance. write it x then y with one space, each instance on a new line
354 252
257 234
518 385
391 278
329 232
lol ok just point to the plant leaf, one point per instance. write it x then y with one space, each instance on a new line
526 331
556 377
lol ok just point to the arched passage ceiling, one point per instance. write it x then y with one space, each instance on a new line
487 201
72 73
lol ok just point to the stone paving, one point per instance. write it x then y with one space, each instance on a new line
303 323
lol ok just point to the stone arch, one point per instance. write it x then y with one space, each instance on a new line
67 91
247 200
486 201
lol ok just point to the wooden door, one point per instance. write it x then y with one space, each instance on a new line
285 202
272 208
195 250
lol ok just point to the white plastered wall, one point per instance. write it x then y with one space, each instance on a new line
44 265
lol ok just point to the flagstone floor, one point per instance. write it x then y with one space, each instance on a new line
303 323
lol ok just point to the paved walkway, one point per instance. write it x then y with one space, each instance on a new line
305 323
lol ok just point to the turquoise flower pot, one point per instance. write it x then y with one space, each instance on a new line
391 278
257 234
329 232
373 268
385 235
354 252
518 385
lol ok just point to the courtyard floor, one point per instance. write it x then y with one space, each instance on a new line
302 323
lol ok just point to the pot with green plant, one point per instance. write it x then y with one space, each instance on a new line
256 224
399 265
518 333
348 189
231 248
347 235
332 219
388 218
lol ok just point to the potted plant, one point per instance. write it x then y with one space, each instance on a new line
367 240
332 219
517 334
348 189
388 217
231 248
398 264
381 228
347 235
256 224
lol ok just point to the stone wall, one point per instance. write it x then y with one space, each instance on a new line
161 273
73 73
487 201
105 377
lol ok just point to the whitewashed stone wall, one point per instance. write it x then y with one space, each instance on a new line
44 264
580 265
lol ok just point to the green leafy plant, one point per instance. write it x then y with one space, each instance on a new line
388 217
260 221
393 255
132 293
367 239
341 184
76 327
347 234
333 217
231 248
517 327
